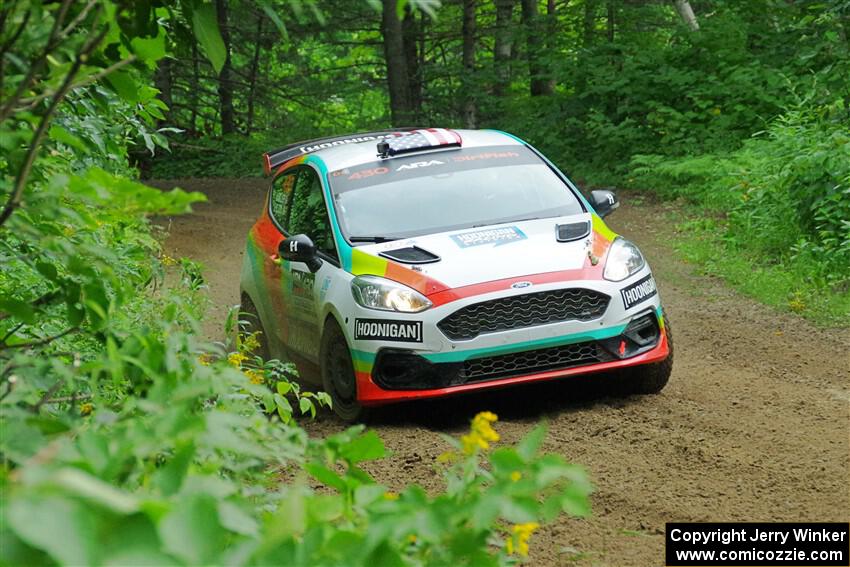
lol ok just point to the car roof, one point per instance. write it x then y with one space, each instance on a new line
347 151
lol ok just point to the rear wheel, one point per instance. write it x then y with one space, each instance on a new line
651 378
338 378
249 323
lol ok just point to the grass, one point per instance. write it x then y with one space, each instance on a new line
788 287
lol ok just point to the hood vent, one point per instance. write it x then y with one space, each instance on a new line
572 231
411 255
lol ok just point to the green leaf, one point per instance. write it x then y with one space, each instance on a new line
531 443
124 85
365 447
170 477
326 476
59 134
306 405
64 528
96 491
191 530
237 520
275 18
575 501
17 308
324 508
205 26
149 49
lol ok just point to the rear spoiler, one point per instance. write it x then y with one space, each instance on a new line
275 158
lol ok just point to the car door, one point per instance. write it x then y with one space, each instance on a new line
297 206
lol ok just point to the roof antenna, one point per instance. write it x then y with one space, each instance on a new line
383 149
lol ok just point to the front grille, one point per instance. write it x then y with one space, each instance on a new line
527 310
527 362
397 369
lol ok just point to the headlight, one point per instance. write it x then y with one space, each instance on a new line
380 293
624 259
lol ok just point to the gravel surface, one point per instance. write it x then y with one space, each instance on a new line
753 425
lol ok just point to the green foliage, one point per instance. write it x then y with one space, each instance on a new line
785 199
128 440
231 156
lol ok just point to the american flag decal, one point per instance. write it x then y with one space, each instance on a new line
422 139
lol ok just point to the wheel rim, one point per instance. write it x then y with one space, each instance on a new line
342 375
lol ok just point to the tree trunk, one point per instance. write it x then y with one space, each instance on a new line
503 46
610 23
252 77
540 84
193 100
551 40
225 87
589 23
468 59
162 80
398 80
411 32
687 14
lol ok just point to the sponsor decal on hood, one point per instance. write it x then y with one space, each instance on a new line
497 236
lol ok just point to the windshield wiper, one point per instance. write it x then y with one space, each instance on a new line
376 239
504 222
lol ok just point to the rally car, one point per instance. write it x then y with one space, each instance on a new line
420 263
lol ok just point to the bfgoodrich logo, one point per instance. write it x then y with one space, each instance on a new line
383 330
638 291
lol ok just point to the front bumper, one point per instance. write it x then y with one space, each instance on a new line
370 394
625 335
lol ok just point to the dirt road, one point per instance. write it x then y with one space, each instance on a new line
753 426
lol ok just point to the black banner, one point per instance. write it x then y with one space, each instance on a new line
762 544
388 330
639 291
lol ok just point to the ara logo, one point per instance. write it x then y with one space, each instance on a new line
420 164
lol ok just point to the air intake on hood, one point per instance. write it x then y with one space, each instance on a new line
572 231
411 255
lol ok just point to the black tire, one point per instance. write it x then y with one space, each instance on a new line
651 378
338 378
249 322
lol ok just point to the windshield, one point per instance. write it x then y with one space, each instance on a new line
448 190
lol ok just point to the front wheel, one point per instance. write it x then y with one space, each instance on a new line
651 378
338 377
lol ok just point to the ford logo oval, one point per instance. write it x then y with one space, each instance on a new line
520 285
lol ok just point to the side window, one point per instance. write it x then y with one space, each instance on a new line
281 193
308 215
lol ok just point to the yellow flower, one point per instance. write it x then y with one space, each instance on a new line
411 538
390 496
516 475
797 304
250 342
519 538
481 433
447 457
86 409
205 359
168 260
255 376
235 359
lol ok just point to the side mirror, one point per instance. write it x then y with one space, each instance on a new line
299 248
605 202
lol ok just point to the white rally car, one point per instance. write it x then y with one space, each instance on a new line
422 263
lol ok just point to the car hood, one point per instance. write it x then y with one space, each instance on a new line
495 252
